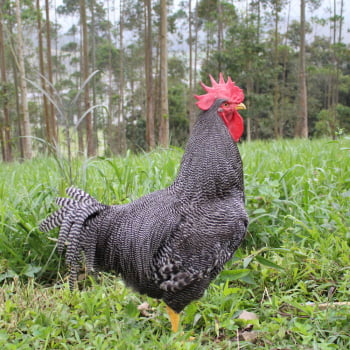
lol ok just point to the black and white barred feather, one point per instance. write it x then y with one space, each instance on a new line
72 219
170 243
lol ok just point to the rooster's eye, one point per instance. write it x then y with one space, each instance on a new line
225 104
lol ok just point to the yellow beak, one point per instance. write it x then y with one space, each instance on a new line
241 106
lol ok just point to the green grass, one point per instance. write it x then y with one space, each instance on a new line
296 253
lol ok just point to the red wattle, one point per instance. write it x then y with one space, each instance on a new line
235 125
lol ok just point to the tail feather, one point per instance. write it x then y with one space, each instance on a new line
54 220
78 233
66 202
66 226
81 196
74 228
57 218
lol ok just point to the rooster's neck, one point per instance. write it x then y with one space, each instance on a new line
211 164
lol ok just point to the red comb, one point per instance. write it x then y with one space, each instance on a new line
228 91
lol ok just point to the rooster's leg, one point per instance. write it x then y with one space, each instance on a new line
174 318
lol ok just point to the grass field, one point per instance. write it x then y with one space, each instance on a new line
293 271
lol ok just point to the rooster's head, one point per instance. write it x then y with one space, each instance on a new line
228 111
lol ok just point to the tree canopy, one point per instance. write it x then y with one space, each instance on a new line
258 43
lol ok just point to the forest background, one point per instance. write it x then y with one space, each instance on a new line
100 77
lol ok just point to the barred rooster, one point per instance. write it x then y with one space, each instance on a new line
169 244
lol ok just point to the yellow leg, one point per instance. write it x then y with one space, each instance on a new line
174 318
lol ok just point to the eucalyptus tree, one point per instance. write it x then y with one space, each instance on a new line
80 7
10 94
187 17
47 118
91 151
26 127
190 64
246 58
320 88
215 16
51 110
150 123
276 7
5 125
336 23
70 85
122 118
302 125
164 106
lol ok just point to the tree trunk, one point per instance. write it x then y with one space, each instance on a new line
336 65
88 120
6 132
284 85
303 128
2 142
108 131
93 80
156 86
250 85
220 33
42 72
164 106
250 82
26 132
258 21
190 78
122 121
150 136
276 90
196 28
52 117
18 108
133 124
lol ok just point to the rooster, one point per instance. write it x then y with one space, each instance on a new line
169 244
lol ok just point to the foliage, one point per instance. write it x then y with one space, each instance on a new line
106 51
324 124
296 252
178 102
252 42
264 62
